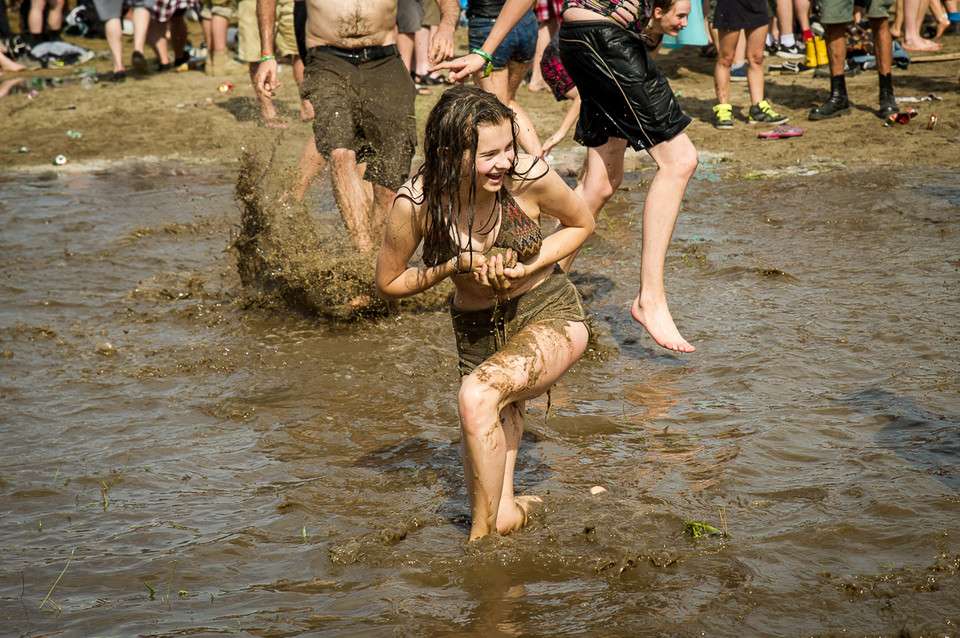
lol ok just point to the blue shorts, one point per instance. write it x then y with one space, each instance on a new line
520 45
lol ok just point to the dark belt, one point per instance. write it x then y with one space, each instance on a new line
360 55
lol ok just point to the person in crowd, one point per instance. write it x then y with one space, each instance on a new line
6 64
548 23
44 11
475 205
362 96
562 87
215 16
507 63
835 16
420 67
168 31
782 42
140 15
410 14
913 14
111 13
625 99
669 17
752 19
281 42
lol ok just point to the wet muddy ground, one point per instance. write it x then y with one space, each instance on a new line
180 461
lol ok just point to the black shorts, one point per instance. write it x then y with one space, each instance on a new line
364 105
623 92
300 27
733 15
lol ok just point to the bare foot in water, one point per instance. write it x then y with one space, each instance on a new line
659 323
921 44
513 516
360 301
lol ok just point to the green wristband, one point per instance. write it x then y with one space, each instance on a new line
268 57
486 56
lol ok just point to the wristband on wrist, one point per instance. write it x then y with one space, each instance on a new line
268 57
455 264
486 56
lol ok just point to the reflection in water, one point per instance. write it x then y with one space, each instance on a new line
12 85
276 474
929 441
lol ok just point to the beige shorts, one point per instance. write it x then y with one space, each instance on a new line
431 13
248 31
223 8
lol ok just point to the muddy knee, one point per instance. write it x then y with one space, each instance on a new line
478 403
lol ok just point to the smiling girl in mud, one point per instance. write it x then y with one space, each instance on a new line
519 322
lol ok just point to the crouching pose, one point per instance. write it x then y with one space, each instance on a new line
519 322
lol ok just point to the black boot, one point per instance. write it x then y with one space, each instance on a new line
888 103
836 105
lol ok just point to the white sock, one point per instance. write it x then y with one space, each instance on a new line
788 40
769 40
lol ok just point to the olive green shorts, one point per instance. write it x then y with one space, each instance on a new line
482 333
841 11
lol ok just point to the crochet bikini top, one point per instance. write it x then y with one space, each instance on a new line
517 231
633 14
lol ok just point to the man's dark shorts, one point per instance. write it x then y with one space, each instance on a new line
364 105
623 92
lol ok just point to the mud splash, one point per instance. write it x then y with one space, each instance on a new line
287 257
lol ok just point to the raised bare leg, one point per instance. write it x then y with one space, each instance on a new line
676 161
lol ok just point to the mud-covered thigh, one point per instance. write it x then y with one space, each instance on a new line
501 337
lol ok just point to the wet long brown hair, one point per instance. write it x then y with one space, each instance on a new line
450 138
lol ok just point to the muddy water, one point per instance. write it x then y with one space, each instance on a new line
176 462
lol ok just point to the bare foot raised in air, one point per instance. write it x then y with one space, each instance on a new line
513 516
658 321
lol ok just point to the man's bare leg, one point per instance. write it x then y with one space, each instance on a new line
353 198
310 165
676 161
382 201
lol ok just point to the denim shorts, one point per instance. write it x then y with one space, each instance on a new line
519 45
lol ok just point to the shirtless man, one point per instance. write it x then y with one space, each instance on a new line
362 97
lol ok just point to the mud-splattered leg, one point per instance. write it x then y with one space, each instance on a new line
526 367
353 198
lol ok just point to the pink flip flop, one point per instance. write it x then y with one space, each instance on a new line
781 132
